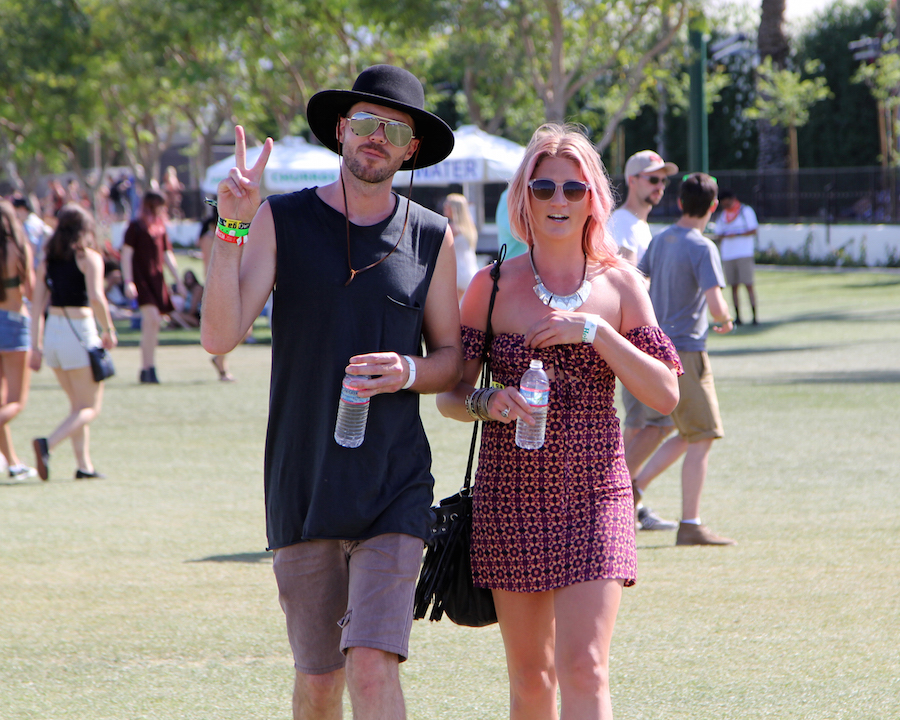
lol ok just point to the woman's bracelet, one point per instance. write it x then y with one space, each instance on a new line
590 328
477 404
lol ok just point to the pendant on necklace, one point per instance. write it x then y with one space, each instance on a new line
561 302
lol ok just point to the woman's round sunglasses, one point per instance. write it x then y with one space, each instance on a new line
545 189
363 124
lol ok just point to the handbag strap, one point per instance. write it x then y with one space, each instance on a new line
77 336
485 365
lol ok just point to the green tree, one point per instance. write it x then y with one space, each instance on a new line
50 104
841 131
784 98
882 77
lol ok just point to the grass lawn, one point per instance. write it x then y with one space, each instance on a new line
150 595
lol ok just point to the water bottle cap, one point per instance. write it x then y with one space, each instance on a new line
536 365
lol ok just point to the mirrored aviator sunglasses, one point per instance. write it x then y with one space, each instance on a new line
363 124
545 189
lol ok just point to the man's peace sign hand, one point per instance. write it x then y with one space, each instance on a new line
238 194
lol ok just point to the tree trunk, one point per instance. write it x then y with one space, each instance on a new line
772 42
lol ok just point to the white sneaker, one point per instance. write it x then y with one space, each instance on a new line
21 472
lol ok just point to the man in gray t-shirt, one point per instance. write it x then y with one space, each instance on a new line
686 281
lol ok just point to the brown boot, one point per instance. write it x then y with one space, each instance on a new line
689 534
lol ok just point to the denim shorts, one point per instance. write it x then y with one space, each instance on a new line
15 331
61 346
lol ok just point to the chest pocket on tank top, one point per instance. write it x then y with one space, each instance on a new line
401 326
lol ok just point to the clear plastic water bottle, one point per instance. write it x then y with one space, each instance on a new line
353 411
535 388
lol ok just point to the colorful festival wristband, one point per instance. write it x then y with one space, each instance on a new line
236 239
227 224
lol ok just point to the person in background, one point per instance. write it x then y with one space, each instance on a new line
505 237
465 239
119 305
145 252
205 243
173 189
685 284
36 230
553 528
188 315
646 176
735 229
16 284
70 279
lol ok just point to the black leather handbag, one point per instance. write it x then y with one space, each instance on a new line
101 361
445 581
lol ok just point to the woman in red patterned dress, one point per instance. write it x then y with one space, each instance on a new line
553 529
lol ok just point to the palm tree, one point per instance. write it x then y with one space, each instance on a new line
773 43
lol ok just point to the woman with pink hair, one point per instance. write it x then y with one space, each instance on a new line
553 528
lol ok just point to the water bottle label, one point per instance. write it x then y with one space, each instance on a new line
350 395
534 397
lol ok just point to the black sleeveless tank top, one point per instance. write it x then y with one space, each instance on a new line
66 283
314 487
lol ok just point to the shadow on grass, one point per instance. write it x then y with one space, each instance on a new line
861 378
734 352
869 285
257 557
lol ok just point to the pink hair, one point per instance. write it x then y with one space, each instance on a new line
569 142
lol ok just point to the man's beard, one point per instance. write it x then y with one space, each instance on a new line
650 201
372 175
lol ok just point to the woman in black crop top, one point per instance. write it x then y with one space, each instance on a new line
16 283
70 278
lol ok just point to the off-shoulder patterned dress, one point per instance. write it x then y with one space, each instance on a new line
563 514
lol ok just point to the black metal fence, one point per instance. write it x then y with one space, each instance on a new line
823 195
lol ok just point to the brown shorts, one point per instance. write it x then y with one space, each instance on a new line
638 415
739 271
697 413
338 594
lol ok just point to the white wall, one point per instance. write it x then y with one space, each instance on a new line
879 240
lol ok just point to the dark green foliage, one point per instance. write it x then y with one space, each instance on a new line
842 131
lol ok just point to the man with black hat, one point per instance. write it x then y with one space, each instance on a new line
363 276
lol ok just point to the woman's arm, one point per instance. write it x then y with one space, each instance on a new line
452 404
651 381
91 264
39 301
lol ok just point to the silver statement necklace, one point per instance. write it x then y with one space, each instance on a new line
560 302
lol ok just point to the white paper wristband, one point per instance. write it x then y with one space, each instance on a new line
412 372
590 328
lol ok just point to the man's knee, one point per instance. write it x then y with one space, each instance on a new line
319 692
370 670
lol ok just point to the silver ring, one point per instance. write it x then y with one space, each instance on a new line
505 412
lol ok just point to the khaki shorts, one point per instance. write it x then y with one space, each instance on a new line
739 271
697 414
338 594
638 415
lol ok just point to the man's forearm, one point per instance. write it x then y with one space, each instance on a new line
439 371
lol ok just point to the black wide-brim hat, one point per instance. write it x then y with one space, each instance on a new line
391 87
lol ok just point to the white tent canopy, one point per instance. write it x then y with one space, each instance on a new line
296 164
293 165
477 157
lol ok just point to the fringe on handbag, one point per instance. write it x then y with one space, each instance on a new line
445 581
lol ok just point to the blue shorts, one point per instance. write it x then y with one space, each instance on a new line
15 332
